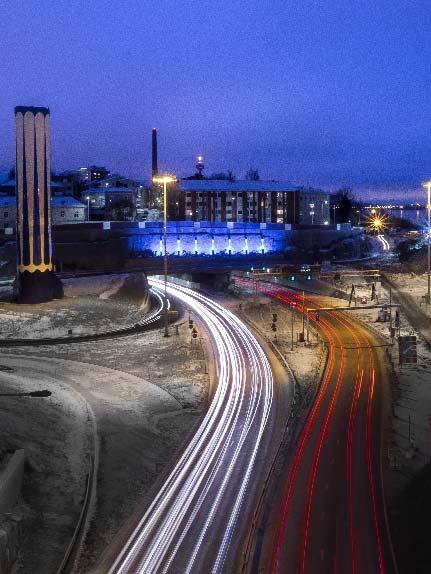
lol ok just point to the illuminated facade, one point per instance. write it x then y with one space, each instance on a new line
36 281
250 202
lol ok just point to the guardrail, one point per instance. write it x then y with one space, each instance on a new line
138 327
67 562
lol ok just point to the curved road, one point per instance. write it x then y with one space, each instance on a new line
327 514
201 515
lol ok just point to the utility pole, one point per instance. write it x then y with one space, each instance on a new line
291 344
303 316
428 187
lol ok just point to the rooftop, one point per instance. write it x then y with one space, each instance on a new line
12 183
108 190
56 200
239 186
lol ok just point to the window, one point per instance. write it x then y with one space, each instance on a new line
6 214
61 213
76 214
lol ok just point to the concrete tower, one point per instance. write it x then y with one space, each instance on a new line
35 281
154 164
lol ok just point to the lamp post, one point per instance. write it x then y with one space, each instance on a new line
165 179
88 207
427 185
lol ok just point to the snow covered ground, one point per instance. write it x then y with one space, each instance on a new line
414 285
90 306
147 393
56 434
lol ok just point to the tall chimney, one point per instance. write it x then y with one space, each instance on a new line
155 169
35 281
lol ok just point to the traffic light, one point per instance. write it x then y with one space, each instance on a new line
274 317
293 278
274 327
194 333
308 277
190 323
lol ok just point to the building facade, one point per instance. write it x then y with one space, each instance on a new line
64 209
248 202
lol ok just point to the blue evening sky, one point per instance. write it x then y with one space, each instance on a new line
323 93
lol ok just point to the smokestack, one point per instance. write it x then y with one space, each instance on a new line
35 281
155 169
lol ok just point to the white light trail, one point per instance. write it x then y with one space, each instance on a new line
384 242
194 517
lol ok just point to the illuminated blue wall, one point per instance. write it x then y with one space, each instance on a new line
204 238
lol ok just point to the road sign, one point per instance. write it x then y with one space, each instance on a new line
407 349
364 300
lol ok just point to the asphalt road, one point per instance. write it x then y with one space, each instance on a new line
200 518
326 511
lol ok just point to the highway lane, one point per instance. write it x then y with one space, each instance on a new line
327 512
200 517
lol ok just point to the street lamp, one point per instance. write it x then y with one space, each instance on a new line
427 185
165 179
88 207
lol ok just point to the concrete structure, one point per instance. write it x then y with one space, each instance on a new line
209 238
248 201
35 281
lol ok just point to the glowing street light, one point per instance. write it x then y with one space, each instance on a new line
427 185
377 222
164 179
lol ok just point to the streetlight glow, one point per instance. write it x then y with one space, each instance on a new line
164 178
